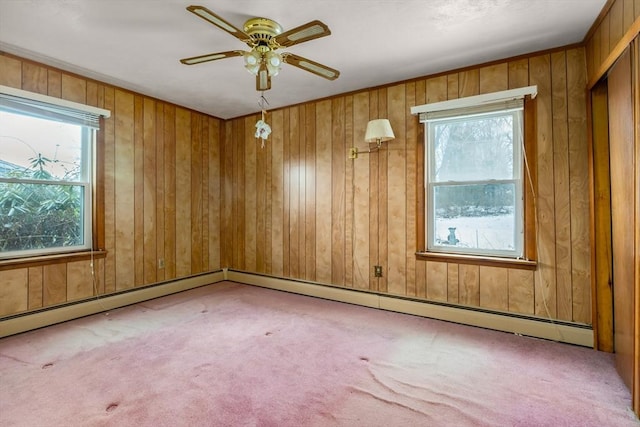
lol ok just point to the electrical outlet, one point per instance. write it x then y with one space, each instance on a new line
377 270
161 263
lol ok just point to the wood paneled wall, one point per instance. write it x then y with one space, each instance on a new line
201 194
617 18
300 209
162 186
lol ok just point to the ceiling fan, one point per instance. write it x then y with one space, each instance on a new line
264 36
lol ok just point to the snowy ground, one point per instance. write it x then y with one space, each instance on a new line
483 232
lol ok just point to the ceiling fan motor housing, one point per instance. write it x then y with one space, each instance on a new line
262 31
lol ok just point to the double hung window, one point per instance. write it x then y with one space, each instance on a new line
45 174
474 177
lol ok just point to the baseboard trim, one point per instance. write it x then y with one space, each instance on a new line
29 321
562 332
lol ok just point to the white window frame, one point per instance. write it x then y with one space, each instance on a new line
505 102
31 104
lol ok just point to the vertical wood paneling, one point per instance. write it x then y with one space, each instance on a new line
74 88
494 78
195 165
277 195
183 198
338 160
348 193
437 88
159 189
310 192
383 200
397 182
124 177
138 190
374 202
226 208
628 13
519 73
215 194
14 292
469 83
579 187
469 284
411 144
109 162
294 192
79 282
437 281
597 47
35 287
421 271
149 202
302 212
170 191
361 223
453 89
494 288
453 283
54 83
34 78
605 35
263 155
55 284
11 74
286 172
250 196
540 75
521 291
204 240
562 203
616 23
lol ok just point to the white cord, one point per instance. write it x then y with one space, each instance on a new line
535 216
95 287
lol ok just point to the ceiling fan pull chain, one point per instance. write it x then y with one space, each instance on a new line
262 128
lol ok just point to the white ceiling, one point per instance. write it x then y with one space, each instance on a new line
136 44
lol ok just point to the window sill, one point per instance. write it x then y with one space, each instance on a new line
9 264
522 264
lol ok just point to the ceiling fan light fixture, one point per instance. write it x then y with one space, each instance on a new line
252 61
273 62
263 79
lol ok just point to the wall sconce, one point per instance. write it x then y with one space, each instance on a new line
378 131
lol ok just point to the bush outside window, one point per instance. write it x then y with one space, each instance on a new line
45 184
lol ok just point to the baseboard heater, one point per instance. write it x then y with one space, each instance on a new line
566 332
49 316
506 322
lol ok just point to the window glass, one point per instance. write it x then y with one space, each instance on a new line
474 184
44 185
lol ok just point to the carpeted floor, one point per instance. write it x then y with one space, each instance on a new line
237 355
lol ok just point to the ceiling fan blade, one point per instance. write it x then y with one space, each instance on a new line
303 33
219 22
211 57
311 66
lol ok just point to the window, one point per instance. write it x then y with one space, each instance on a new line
45 175
474 176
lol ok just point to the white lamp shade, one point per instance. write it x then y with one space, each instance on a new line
379 130
252 61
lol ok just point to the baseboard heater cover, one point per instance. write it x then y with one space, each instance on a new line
50 316
521 325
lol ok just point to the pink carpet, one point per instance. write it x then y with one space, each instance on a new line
237 355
